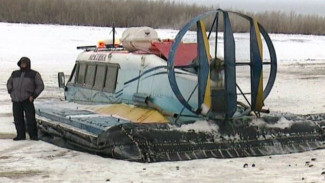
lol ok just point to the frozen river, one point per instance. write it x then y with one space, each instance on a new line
299 89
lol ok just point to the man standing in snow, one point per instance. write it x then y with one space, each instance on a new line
24 86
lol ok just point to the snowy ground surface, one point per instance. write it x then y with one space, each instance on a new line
299 89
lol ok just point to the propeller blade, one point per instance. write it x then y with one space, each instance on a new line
171 59
230 67
256 67
204 65
272 53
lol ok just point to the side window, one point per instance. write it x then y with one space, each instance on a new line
90 75
72 78
111 77
81 73
100 77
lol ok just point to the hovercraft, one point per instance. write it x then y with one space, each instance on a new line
149 100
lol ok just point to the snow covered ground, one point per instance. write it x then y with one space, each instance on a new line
299 89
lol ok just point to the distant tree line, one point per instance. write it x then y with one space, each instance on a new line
153 13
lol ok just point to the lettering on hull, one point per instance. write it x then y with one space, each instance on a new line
98 57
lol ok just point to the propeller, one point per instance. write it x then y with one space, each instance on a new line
203 61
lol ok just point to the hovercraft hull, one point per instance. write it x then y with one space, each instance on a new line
116 138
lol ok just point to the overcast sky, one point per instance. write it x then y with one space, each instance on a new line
298 6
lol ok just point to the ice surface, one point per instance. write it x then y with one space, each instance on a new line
299 89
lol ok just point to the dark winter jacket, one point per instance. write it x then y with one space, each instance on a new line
24 83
